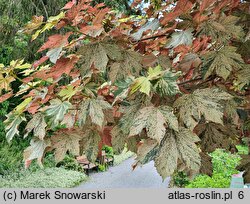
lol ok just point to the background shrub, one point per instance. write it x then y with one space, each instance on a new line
224 165
69 163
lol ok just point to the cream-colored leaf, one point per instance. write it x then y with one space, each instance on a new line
202 102
38 125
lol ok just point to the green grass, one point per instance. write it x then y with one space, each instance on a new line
43 178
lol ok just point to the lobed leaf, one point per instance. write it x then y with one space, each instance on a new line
222 62
202 102
38 125
177 145
57 110
154 120
93 108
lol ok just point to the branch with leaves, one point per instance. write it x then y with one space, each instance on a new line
95 77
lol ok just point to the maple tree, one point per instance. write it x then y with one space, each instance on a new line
167 82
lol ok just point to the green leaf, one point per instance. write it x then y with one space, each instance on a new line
167 85
222 62
202 102
67 92
242 78
20 108
93 108
154 120
177 145
154 73
12 123
18 64
38 125
181 38
163 82
122 90
143 84
57 110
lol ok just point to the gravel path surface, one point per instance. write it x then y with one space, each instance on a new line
122 176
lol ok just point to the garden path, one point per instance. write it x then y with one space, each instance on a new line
122 176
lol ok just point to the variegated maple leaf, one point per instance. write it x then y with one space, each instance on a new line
222 62
38 125
155 120
57 110
202 102
177 145
66 140
93 108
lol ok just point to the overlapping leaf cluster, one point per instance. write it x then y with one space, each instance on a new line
163 82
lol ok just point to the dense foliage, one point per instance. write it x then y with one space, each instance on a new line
168 80
224 165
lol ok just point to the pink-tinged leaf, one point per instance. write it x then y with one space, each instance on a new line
63 66
183 6
199 18
100 16
27 164
99 5
40 61
33 108
61 24
41 75
69 119
93 30
205 4
35 150
55 41
5 97
27 79
69 5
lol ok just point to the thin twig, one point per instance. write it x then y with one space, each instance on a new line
45 10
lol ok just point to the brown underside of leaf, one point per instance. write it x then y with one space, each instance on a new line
206 164
245 166
215 136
